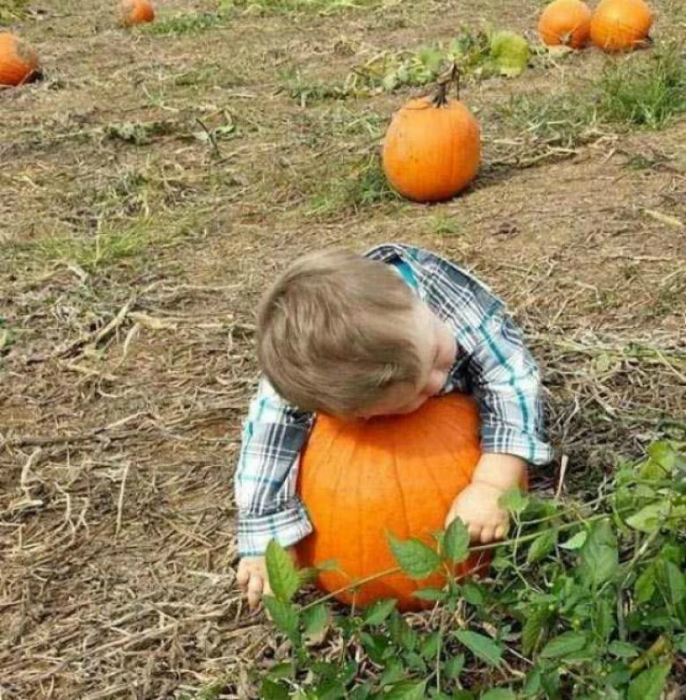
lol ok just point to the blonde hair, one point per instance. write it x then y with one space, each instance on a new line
334 332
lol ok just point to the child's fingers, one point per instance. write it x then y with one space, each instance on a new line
255 586
474 532
500 532
266 588
487 534
242 577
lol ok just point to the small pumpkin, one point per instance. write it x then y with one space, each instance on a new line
432 148
565 22
136 12
397 474
621 25
18 60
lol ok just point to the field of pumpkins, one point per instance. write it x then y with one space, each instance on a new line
162 161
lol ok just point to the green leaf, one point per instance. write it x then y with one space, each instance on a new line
509 53
533 628
456 542
273 691
283 576
316 620
453 666
650 518
473 594
514 501
576 541
563 645
542 546
407 690
379 611
414 557
623 650
483 647
430 647
499 694
532 684
599 555
650 684
394 672
644 588
284 616
430 594
671 582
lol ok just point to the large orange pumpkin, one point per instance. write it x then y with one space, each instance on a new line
621 25
566 22
136 12
399 474
18 60
432 148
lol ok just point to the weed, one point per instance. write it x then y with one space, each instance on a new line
645 93
583 602
110 244
556 121
12 11
187 23
307 91
445 225
365 186
138 133
478 55
302 6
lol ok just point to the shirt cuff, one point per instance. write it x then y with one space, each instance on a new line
513 441
286 526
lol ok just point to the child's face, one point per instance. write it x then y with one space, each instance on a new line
437 348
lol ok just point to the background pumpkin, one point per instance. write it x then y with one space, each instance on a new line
432 148
18 60
566 22
398 474
136 12
621 25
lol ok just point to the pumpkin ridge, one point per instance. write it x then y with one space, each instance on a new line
332 511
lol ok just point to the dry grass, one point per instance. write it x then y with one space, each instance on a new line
152 185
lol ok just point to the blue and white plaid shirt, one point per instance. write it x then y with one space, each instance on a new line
492 363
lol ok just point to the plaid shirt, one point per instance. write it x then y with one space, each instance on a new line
492 363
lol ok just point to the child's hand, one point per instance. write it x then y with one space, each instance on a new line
477 507
252 578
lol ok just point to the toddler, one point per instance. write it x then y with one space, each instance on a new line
359 336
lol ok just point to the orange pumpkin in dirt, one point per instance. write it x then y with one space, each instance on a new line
18 60
398 474
565 22
136 12
621 25
432 149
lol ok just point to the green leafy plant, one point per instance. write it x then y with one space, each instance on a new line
479 54
585 600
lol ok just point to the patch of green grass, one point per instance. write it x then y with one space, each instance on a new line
645 93
111 244
561 121
445 224
364 186
187 23
302 6
12 11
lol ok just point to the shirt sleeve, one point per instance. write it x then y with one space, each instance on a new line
274 434
505 380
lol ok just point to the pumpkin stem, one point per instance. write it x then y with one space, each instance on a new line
441 98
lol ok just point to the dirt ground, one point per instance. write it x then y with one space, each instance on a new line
131 263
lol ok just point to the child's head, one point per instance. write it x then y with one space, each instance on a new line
343 334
